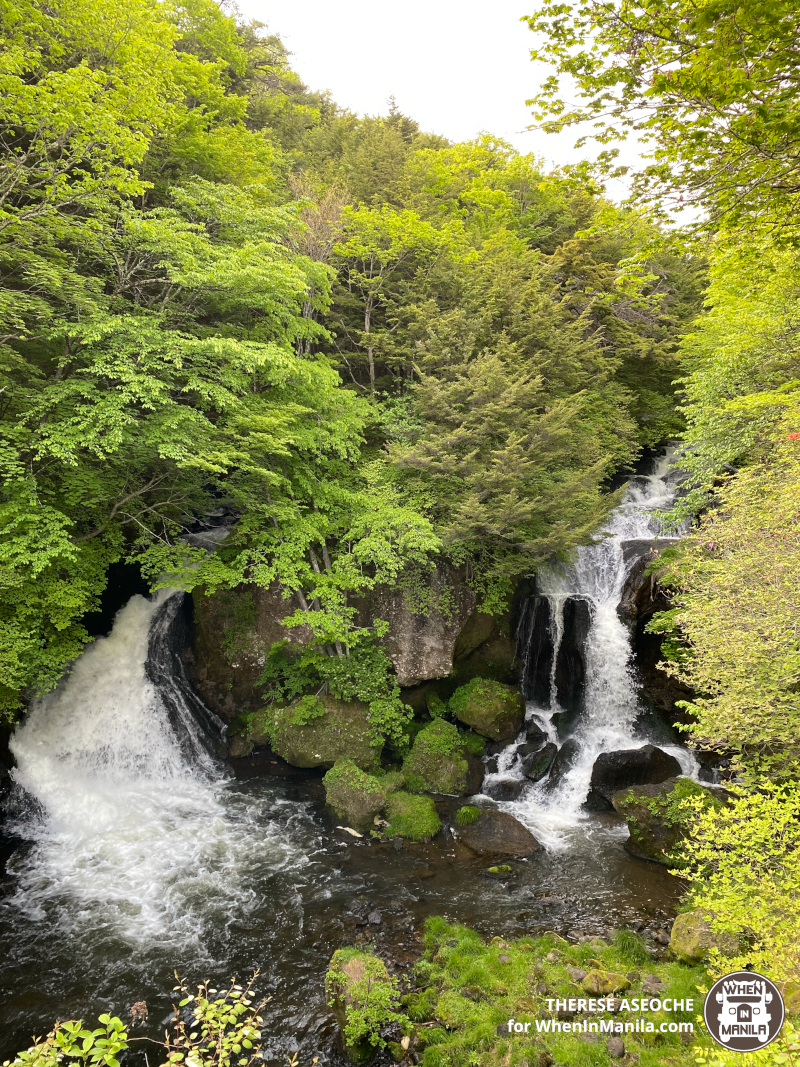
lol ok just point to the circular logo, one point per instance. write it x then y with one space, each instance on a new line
744 1011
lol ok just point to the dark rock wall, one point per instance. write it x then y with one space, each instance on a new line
641 598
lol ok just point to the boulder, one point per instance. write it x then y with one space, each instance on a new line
614 771
233 632
654 817
411 817
317 731
421 638
563 763
693 938
537 766
494 710
439 762
356 797
358 984
496 833
505 788
600 983
535 735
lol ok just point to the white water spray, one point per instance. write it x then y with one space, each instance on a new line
134 837
611 707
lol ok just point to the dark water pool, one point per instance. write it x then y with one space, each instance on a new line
281 898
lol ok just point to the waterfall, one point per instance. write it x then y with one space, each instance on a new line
134 837
609 708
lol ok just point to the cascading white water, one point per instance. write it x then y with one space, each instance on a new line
134 834
610 705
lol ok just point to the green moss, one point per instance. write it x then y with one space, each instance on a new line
356 797
437 763
468 814
412 817
469 987
437 708
316 732
474 743
503 868
490 708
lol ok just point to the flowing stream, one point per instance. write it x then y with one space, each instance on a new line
132 849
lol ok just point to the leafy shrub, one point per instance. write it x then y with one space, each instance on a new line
369 1001
223 1028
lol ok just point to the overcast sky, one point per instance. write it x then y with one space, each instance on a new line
456 66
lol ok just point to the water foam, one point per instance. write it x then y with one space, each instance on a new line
135 834
611 707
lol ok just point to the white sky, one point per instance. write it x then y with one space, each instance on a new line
458 67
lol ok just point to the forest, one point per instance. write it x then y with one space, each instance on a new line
376 354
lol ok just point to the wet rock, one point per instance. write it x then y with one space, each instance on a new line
506 789
653 816
356 797
316 732
614 771
490 767
693 937
497 833
563 763
570 673
439 763
615 1047
536 642
642 597
239 747
535 736
537 766
374 918
494 710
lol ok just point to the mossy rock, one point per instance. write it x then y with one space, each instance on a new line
600 983
494 710
356 797
316 732
656 816
693 938
439 762
411 817
362 995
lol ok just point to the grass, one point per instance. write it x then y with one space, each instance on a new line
466 987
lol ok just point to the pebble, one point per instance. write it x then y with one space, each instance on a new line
504 958
662 937
397 842
374 918
615 1047
577 974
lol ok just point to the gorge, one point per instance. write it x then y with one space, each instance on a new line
136 841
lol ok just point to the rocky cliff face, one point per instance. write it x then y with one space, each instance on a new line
233 633
449 640
642 597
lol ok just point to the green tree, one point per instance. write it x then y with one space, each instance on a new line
711 87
